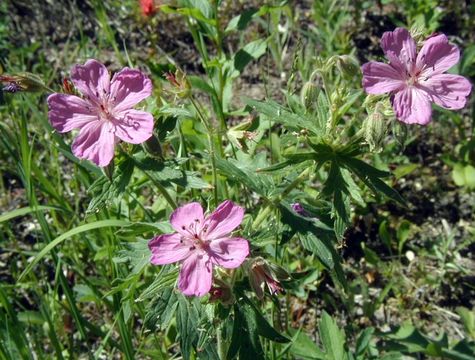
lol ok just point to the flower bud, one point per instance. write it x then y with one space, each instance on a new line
262 274
347 65
309 95
222 292
374 128
298 208
22 82
399 131
68 86
180 84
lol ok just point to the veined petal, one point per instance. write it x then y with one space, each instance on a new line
401 43
223 220
95 142
134 126
437 56
168 248
380 78
128 88
187 218
68 112
448 91
196 275
229 252
91 79
412 106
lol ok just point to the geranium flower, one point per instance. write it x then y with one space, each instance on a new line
416 80
105 114
200 243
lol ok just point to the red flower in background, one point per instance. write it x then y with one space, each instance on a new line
148 7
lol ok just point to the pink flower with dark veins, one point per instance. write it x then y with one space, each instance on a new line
105 114
200 243
417 80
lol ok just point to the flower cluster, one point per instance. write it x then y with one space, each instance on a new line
104 115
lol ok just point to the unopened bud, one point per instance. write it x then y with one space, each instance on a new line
347 65
263 274
220 291
309 95
419 34
68 86
22 82
298 208
180 84
374 128
399 130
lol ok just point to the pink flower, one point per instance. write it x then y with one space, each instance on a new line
105 114
416 80
200 243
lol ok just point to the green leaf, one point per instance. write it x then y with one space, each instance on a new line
468 320
332 337
264 329
402 234
136 253
68 234
305 348
280 114
464 175
237 171
187 320
291 160
104 190
161 309
363 341
27 210
241 21
252 51
245 339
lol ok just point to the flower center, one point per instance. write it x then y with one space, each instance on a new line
194 237
412 80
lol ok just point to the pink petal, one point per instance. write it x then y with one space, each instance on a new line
95 142
229 252
437 56
379 78
223 220
91 79
402 45
134 126
68 112
412 106
129 87
448 91
168 248
196 275
187 218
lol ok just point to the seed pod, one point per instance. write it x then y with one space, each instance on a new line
375 128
